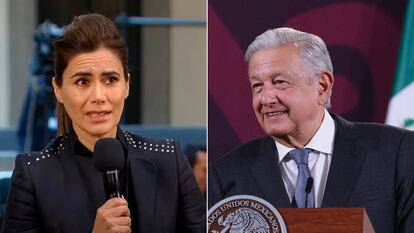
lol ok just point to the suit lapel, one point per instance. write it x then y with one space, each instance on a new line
266 171
347 160
144 178
73 194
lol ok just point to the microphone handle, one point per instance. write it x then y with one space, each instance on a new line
112 184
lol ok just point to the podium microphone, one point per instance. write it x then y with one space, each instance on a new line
308 189
109 158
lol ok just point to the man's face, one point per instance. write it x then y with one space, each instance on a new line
288 106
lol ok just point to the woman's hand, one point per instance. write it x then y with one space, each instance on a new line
113 216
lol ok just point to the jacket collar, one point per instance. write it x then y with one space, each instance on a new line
347 161
266 171
144 174
73 139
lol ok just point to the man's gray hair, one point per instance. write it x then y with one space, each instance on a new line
311 47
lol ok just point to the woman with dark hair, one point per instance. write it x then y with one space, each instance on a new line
59 189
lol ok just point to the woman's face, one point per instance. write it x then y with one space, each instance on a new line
93 92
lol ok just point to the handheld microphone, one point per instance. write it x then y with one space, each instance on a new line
308 189
109 158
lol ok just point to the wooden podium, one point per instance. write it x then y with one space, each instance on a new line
326 220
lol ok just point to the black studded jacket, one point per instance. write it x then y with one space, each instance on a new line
48 192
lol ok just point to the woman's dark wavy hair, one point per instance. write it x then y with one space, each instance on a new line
86 33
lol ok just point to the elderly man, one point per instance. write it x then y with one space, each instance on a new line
312 158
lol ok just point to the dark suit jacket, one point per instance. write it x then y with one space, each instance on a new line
47 193
372 167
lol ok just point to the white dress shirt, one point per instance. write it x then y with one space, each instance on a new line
319 160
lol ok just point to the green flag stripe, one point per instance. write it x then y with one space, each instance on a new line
405 67
408 122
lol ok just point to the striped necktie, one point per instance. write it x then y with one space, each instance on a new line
304 196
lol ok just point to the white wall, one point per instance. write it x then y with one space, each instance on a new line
23 20
188 65
17 23
4 63
174 65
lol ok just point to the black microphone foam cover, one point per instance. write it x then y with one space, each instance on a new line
108 155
